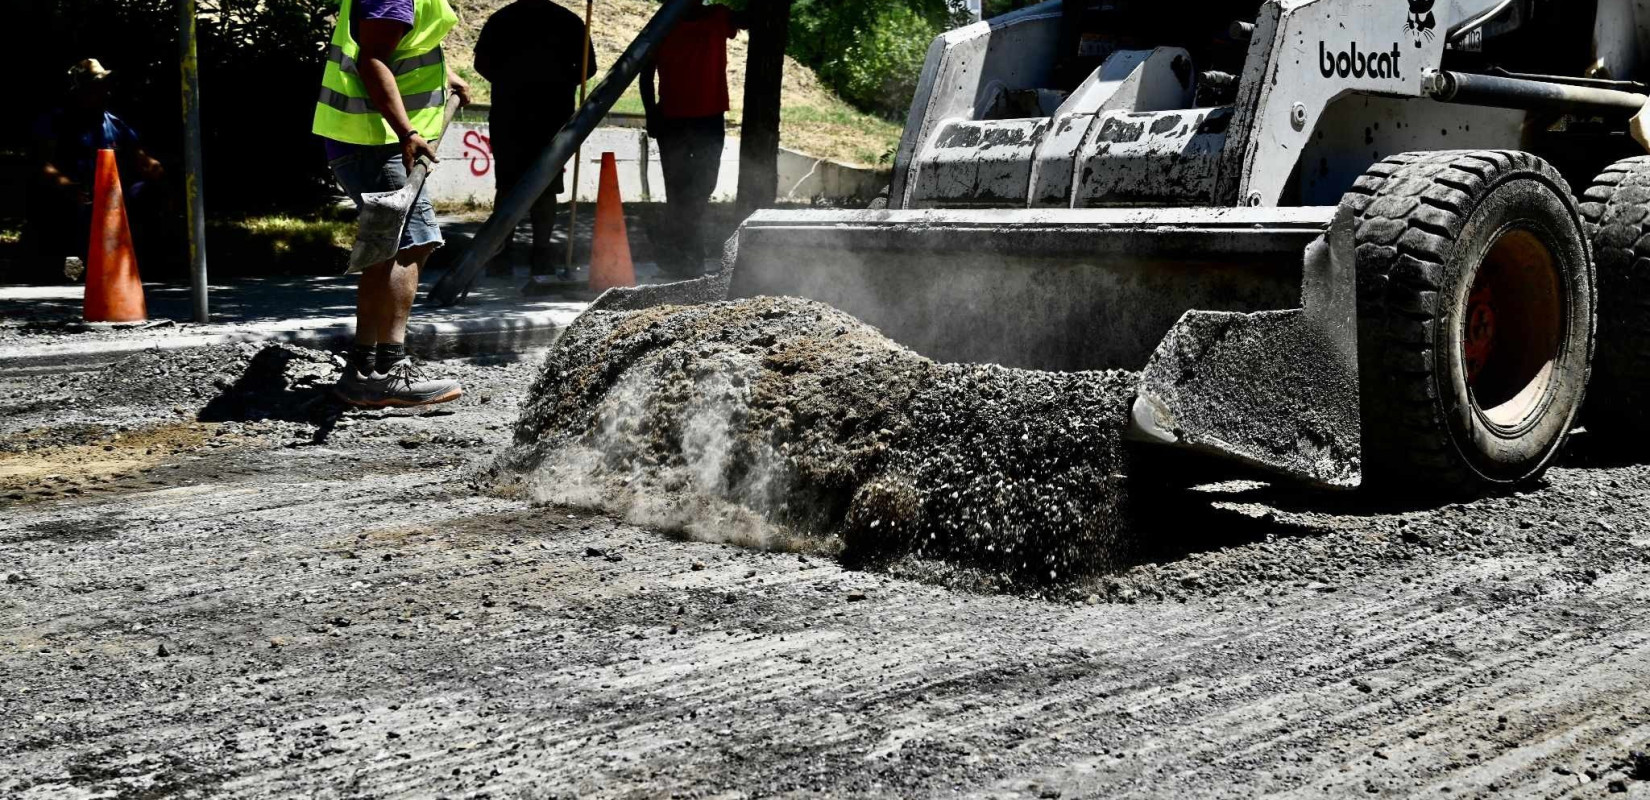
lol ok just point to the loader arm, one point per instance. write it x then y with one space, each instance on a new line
1306 54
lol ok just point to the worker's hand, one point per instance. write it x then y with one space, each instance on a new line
460 88
413 147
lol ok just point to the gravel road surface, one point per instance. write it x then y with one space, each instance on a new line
293 600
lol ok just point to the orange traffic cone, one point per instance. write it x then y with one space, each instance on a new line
610 249
113 291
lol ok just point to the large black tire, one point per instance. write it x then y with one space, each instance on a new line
1449 238
1617 213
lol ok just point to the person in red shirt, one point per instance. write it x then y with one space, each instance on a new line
685 93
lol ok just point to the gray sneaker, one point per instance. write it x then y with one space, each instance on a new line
357 389
403 385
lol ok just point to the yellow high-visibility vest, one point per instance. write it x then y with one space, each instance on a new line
344 112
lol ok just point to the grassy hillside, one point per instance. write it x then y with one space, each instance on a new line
814 120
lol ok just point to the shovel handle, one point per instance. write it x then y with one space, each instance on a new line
448 111
424 165
421 169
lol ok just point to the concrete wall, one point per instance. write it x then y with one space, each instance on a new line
466 171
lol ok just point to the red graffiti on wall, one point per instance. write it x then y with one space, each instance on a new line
479 149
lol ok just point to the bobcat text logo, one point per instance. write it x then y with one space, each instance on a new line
1352 64
1420 21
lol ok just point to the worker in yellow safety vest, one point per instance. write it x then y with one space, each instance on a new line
380 106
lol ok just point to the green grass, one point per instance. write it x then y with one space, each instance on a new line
630 102
834 116
273 244
11 240
281 244
465 207
285 232
853 136
480 90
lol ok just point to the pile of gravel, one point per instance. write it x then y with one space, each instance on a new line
188 376
263 388
219 383
792 413
278 382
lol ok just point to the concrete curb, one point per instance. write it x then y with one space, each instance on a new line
501 335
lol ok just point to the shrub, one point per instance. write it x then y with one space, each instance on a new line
869 51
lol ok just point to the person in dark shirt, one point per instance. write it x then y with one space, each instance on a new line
685 112
66 141
532 52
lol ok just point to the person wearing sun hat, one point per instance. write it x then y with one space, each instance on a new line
65 144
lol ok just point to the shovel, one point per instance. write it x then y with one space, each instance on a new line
384 214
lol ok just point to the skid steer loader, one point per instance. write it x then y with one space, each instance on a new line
1340 239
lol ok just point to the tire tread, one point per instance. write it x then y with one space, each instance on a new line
1400 280
1618 222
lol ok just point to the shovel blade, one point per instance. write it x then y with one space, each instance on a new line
378 230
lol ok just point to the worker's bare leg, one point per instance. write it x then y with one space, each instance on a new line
383 304
369 303
391 288
357 386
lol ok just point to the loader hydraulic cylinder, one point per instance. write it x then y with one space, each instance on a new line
1531 95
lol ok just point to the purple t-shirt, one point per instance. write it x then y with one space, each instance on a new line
397 10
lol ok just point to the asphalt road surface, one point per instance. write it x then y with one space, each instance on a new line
267 606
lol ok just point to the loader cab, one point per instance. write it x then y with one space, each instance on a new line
1091 30
1078 104
1105 103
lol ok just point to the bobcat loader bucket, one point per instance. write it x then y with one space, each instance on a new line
1241 321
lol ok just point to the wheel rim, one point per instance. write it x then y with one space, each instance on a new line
1512 330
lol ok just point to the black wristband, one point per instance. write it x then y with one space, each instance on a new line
408 135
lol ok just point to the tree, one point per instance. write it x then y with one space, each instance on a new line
871 51
992 8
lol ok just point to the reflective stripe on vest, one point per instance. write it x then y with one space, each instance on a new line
363 105
336 55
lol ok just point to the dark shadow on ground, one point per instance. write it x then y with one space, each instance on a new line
1176 513
284 384
1587 450
1172 524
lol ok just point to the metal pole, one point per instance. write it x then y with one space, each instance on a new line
192 190
498 228
578 155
